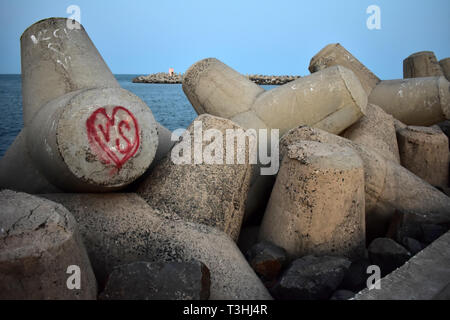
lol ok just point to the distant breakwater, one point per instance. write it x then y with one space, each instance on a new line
163 77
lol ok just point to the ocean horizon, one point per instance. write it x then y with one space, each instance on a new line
168 103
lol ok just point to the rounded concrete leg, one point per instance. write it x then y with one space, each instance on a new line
19 173
40 245
122 228
419 101
165 142
93 139
213 87
317 204
57 60
200 191
335 54
421 64
424 152
385 181
332 99
445 65
375 130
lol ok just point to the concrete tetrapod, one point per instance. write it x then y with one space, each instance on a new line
419 101
424 152
376 130
121 228
335 54
332 99
200 190
421 64
93 139
41 249
385 181
86 125
317 204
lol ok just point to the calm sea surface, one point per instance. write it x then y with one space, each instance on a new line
169 105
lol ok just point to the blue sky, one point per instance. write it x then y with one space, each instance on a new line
265 37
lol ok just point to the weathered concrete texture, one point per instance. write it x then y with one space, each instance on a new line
121 228
19 173
40 240
421 278
445 65
385 181
211 194
331 99
85 133
418 101
54 56
317 203
334 54
421 64
158 281
375 130
93 139
424 152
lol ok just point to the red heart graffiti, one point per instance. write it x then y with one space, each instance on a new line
99 128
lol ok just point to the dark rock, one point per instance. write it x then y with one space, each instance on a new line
311 278
387 254
342 295
247 238
356 277
158 281
431 232
412 245
266 259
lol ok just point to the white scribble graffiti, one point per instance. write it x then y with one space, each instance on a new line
45 36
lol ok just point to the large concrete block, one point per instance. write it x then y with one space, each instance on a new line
40 241
421 64
121 228
424 277
210 193
331 99
61 59
385 181
424 152
93 139
317 204
445 65
335 54
418 101
375 130
84 133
